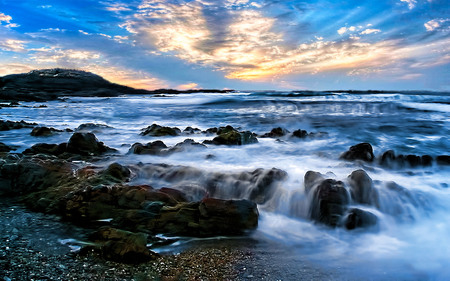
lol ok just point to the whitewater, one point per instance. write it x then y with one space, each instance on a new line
411 240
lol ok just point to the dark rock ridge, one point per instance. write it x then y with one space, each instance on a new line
12 125
50 84
84 144
160 148
156 130
362 151
231 136
5 148
389 159
282 132
45 131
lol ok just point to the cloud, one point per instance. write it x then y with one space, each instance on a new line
437 24
5 18
187 86
411 3
370 31
12 45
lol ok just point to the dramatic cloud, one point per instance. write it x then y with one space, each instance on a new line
437 24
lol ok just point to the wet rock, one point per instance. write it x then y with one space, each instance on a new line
357 218
362 151
312 179
191 131
443 159
186 145
265 184
211 131
33 174
86 144
276 133
91 127
209 217
300 134
230 136
329 200
156 130
151 148
361 188
11 125
122 246
45 148
118 172
390 160
5 148
43 131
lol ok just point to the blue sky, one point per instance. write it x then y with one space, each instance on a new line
239 44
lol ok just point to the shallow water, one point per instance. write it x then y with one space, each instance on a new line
412 240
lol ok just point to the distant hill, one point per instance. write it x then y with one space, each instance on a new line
50 84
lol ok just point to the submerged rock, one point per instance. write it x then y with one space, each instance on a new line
5 148
156 130
329 202
357 218
276 133
443 159
390 160
91 127
300 134
361 188
362 151
43 131
230 136
11 125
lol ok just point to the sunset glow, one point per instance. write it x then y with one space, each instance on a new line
234 44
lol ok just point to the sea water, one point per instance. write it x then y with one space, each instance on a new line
412 238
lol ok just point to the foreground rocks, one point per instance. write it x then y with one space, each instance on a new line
231 136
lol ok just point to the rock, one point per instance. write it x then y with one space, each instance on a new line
122 246
209 217
211 131
191 131
357 218
118 172
186 145
5 148
152 148
43 131
300 134
12 125
31 174
329 201
158 131
227 217
443 159
276 133
91 127
361 188
86 144
311 179
362 151
264 186
230 136
389 159
45 148
427 160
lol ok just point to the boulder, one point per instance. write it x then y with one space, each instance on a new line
156 130
276 133
43 131
91 127
443 159
12 125
45 148
312 179
122 246
86 144
390 160
117 171
230 136
329 200
264 186
152 148
191 131
5 148
300 134
361 188
186 145
357 218
362 151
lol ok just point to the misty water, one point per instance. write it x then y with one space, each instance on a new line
412 238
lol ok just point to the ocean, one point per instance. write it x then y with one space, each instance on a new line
411 240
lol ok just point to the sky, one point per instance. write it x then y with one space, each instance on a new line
234 44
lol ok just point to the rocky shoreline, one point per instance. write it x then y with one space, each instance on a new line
121 221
